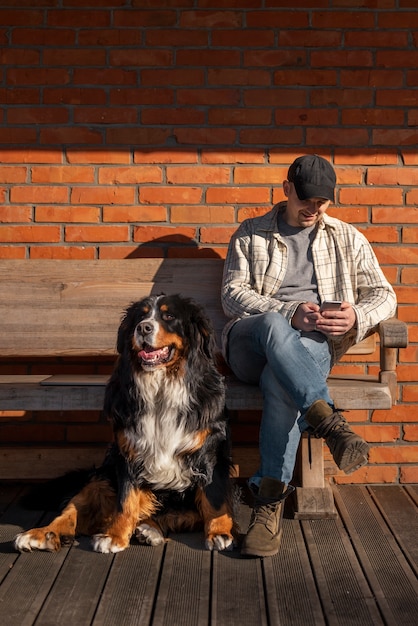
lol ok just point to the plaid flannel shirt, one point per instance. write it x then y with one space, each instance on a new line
345 265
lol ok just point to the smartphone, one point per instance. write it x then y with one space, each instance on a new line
331 305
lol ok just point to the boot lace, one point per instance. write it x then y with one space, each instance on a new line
332 424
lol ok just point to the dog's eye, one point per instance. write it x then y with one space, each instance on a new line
167 317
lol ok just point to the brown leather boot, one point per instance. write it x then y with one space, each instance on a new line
348 449
265 530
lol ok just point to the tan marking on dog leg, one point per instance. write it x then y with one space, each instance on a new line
219 526
49 537
139 505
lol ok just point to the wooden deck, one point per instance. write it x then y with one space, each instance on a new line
360 568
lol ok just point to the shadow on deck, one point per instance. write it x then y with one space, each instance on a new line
360 568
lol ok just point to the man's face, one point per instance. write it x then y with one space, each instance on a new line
302 213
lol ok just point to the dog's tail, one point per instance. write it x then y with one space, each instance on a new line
54 494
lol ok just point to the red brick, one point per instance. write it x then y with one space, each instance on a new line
409 474
15 174
394 454
342 58
264 136
15 214
274 96
12 252
198 175
66 214
336 136
394 215
394 137
105 115
103 195
307 77
370 196
262 38
216 19
128 135
78 18
225 155
335 97
96 233
232 195
69 135
243 77
278 19
98 155
343 19
129 175
372 117
206 214
39 194
371 78
216 235
163 156
62 252
170 195
43 36
103 76
172 116
208 97
62 174
29 234
411 432
410 393
142 95
370 474
134 214
205 136
268 174
410 235
240 117
38 115
173 235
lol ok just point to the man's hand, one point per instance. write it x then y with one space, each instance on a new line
308 317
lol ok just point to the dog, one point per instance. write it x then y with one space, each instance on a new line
168 467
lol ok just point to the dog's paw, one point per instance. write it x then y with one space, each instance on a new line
149 535
37 539
106 544
219 542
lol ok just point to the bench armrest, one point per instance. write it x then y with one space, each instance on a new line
393 333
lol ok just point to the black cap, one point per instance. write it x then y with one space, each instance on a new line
313 177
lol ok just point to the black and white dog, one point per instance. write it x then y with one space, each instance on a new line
169 465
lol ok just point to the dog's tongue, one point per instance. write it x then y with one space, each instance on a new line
152 356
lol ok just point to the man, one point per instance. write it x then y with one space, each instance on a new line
280 268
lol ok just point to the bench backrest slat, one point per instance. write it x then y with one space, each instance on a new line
73 308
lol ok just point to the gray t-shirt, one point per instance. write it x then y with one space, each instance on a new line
300 280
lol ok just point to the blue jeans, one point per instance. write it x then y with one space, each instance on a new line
291 368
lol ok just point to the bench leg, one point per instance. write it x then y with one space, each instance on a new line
313 499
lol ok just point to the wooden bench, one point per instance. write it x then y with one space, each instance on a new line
73 308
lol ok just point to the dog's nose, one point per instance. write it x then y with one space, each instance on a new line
146 327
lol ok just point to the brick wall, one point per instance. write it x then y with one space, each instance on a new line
135 128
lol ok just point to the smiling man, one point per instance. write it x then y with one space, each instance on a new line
280 270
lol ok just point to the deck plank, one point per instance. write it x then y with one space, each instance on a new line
184 594
77 588
393 582
345 594
401 515
290 583
130 591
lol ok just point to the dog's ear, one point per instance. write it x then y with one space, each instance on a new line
203 336
125 329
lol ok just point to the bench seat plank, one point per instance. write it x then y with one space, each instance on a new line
72 393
